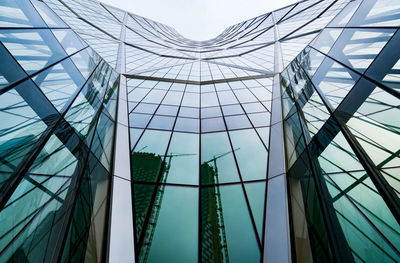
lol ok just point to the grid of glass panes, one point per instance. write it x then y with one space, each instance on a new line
341 99
57 116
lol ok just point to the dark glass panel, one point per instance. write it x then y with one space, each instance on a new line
28 219
360 210
10 71
385 68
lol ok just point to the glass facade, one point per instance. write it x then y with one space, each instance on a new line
123 141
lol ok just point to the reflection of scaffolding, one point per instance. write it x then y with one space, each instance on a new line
214 244
146 168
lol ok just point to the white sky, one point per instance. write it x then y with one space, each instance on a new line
199 19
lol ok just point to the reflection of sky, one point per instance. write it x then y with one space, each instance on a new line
199 19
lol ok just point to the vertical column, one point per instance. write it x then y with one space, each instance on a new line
121 244
277 232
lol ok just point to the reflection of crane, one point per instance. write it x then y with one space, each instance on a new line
144 147
214 160
155 206
213 220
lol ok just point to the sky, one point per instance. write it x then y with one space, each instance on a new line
199 19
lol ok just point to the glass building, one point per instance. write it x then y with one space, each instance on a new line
276 141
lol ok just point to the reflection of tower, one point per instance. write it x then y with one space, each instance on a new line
148 198
214 245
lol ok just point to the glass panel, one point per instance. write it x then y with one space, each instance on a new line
217 163
145 108
167 110
232 110
227 231
59 83
86 61
173 98
212 125
187 125
250 154
209 99
189 112
256 195
82 114
139 120
191 100
334 80
260 119
237 122
227 97
10 72
377 13
170 210
148 155
182 160
56 158
69 40
385 68
357 48
51 19
19 14
24 116
162 122
211 112
34 49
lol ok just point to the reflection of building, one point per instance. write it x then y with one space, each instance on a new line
146 167
213 247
